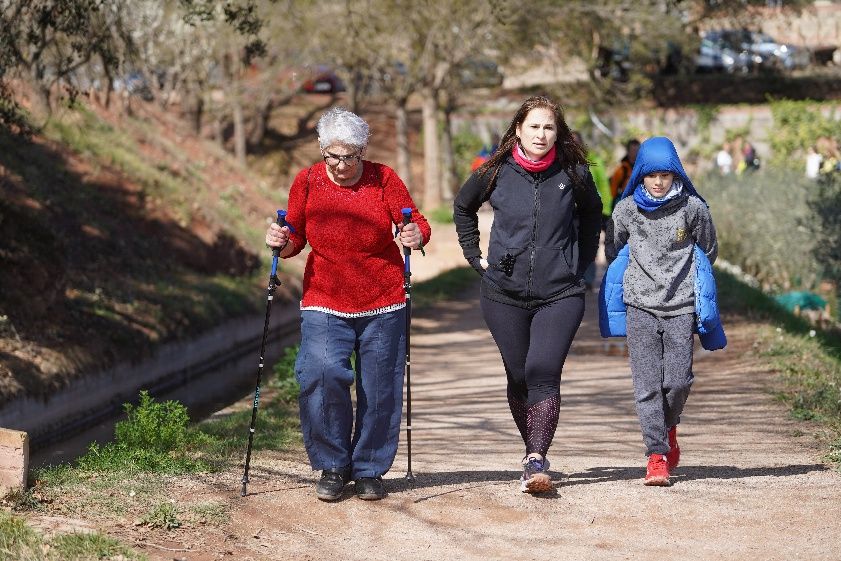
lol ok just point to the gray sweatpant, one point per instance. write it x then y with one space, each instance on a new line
660 349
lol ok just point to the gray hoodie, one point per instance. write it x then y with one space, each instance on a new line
660 277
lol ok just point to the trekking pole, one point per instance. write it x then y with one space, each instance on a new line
274 282
407 287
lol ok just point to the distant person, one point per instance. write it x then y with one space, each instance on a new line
622 173
353 300
545 233
724 160
485 153
830 154
813 163
749 157
661 218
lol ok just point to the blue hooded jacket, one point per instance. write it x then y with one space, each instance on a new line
659 154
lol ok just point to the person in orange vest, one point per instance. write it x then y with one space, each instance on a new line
485 153
622 173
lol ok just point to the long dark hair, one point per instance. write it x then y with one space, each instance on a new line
568 151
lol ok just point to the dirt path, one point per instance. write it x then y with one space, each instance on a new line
747 488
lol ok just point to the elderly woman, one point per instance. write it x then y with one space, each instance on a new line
353 300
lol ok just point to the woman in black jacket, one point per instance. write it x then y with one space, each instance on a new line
547 217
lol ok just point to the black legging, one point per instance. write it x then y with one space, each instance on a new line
534 346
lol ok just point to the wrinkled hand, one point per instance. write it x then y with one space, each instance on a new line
410 235
277 236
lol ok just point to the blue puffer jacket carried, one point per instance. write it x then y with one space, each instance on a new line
612 308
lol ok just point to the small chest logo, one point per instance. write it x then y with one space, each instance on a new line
562 186
681 234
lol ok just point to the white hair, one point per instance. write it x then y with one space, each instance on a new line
338 125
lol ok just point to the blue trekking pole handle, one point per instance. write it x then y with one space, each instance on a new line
281 221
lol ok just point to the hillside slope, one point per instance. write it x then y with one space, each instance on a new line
118 233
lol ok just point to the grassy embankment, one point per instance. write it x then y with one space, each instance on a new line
808 360
123 233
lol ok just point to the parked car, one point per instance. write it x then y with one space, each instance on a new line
727 50
134 83
479 73
779 55
758 51
322 79
716 56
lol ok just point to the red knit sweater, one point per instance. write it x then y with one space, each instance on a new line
354 265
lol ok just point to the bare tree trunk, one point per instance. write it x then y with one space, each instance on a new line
239 130
448 161
218 132
431 152
353 87
108 87
42 100
198 113
261 122
404 157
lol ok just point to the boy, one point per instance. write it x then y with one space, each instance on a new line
662 218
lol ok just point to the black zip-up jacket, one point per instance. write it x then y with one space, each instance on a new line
545 232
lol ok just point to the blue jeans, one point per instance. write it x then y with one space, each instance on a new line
325 374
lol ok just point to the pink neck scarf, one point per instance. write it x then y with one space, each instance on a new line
530 165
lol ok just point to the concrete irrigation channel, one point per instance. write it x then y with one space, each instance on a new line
205 374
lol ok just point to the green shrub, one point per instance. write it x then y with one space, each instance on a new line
161 427
441 215
762 219
797 125
466 144
825 204
164 515
152 438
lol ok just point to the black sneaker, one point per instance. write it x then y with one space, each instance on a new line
332 483
370 488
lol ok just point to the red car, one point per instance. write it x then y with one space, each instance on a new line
322 79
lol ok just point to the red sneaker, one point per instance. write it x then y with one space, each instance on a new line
673 457
657 472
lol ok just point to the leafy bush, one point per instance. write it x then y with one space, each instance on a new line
825 204
153 438
797 125
441 215
762 219
165 516
157 426
466 144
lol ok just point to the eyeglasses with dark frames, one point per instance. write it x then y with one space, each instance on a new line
334 160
